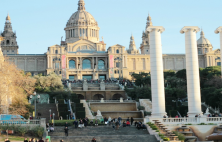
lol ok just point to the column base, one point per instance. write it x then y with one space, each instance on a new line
158 115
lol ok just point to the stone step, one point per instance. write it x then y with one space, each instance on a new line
102 134
44 110
106 138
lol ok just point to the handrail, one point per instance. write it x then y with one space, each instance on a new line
129 101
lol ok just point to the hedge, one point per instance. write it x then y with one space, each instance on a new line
79 105
70 122
75 100
61 101
80 109
173 113
80 114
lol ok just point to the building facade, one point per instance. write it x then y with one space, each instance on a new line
83 55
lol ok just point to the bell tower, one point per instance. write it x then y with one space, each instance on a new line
9 44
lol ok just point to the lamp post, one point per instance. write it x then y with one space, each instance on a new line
53 119
67 117
38 97
50 113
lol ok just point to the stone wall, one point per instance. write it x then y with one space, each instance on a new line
124 115
113 107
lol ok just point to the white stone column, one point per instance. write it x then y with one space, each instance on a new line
219 30
192 70
156 65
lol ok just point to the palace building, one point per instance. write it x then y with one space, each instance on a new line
83 55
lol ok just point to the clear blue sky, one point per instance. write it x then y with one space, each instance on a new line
40 23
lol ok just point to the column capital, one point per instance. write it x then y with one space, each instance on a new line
153 28
218 30
188 28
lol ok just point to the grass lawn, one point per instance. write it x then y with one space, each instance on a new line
13 138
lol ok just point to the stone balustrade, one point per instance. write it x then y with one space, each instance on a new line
186 120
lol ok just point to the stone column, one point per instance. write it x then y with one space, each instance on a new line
93 63
156 65
219 30
192 70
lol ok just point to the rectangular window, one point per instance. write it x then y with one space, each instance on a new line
71 77
205 50
219 63
56 51
87 77
80 31
117 64
199 51
57 65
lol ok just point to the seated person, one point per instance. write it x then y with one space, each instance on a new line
127 123
96 123
135 123
139 125
124 123
91 122
52 129
143 127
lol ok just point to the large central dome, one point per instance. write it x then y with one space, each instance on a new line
82 25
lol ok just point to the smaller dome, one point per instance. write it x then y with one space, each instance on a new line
8 17
202 40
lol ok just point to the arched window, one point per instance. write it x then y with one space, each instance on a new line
7 42
72 64
117 51
86 64
101 64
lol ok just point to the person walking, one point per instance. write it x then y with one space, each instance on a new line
117 125
113 124
75 123
66 131
119 119
132 120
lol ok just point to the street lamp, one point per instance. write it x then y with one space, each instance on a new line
38 97
50 113
53 118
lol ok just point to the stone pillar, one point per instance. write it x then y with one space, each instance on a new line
93 63
219 30
192 70
156 65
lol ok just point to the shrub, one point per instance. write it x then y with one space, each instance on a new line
166 139
180 136
157 131
38 131
22 131
147 113
141 108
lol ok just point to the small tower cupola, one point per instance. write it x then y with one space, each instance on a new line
81 5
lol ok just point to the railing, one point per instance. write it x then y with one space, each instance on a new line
186 120
210 108
20 122
110 101
70 108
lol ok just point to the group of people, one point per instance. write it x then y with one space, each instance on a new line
140 125
35 140
50 127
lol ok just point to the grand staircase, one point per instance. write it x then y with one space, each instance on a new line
44 110
102 134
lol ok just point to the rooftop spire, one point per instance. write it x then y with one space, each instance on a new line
81 5
149 22
8 19
132 45
201 33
